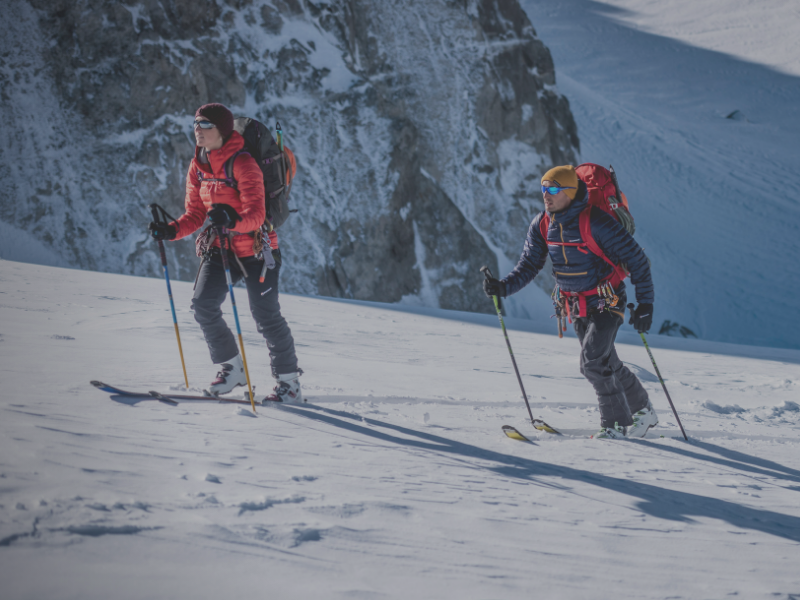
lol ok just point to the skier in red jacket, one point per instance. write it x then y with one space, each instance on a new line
238 207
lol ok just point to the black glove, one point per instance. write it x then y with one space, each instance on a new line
494 287
642 318
162 231
223 215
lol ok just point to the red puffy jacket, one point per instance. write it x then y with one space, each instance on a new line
247 200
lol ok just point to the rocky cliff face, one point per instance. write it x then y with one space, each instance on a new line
421 129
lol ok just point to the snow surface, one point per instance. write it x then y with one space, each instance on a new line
394 480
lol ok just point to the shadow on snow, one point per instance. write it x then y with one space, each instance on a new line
656 501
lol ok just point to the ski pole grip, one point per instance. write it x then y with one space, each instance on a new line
157 219
486 272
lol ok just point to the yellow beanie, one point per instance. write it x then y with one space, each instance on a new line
563 177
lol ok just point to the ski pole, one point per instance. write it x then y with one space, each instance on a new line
154 208
224 253
488 274
661 379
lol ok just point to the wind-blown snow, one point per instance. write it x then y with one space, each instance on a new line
394 480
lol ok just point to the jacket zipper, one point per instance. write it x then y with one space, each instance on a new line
563 248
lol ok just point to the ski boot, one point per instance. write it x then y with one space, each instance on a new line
287 390
611 433
231 375
643 420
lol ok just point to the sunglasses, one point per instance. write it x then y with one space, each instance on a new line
554 189
204 124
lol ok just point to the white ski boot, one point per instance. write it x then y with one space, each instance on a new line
611 433
287 390
643 421
231 374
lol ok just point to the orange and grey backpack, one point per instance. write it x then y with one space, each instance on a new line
277 164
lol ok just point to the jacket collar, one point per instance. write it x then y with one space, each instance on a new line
576 206
214 161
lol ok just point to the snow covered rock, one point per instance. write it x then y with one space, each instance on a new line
421 130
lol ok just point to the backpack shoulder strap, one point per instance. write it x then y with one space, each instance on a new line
585 224
230 180
544 225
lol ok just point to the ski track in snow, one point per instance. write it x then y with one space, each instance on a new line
394 480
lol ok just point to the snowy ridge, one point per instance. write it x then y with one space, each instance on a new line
394 481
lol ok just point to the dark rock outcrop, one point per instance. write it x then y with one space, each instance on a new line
421 129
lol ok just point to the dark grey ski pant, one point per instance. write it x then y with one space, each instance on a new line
211 291
619 392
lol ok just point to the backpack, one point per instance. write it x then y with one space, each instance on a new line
276 162
603 191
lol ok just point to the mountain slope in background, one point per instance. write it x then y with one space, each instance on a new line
421 130
705 144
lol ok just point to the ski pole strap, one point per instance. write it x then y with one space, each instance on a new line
160 215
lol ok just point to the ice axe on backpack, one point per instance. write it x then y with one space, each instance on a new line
159 216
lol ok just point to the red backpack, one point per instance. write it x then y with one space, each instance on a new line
603 192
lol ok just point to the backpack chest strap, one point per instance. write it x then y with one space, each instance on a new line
229 180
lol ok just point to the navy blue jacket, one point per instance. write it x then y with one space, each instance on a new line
577 271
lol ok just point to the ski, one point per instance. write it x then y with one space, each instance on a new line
514 434
542 426
538 424
169 398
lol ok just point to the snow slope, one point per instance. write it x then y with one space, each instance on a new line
716 199
394 481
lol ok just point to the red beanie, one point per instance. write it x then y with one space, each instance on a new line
219 115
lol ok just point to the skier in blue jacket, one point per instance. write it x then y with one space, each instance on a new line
587 286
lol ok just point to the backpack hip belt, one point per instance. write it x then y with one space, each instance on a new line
588 244
608 299
204 246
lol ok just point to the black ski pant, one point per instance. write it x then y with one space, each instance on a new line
619 392
210 292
